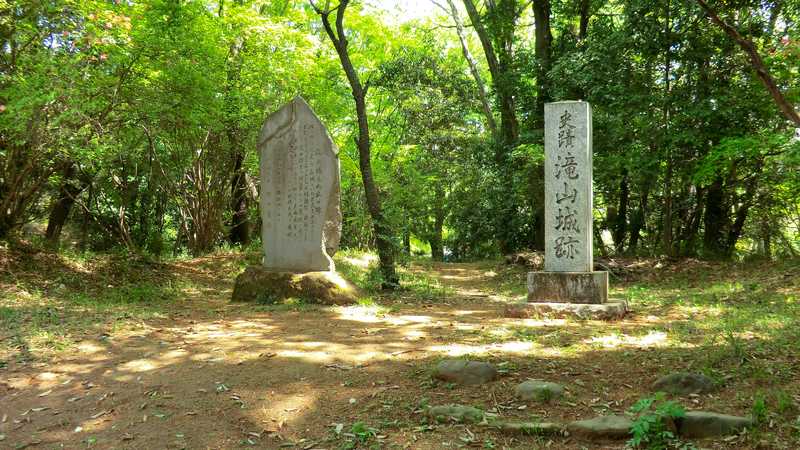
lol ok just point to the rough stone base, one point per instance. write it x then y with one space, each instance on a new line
257 284
568 287
613 309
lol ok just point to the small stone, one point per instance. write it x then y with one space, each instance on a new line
702 424
539 391
465 372
603 427
455 413
684 383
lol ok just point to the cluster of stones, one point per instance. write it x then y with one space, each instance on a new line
695 424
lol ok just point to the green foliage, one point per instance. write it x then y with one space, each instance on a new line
144 111
652 426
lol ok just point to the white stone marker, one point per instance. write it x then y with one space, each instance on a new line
568 187
569 275
299 195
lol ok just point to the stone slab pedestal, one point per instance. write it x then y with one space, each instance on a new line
614 309
568 287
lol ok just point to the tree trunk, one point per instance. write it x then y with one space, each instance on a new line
473 68
583 31
501 70
62 206
638 218
620 227
437 249
715 219
666 226
745 202
381 228
240 223
544 51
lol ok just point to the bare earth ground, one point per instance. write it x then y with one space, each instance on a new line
165 361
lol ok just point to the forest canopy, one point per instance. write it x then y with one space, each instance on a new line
132 123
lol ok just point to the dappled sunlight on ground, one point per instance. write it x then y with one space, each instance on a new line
208 374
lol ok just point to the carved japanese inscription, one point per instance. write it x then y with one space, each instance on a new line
299 195
568 187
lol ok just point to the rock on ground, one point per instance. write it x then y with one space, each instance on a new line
603 427
701 424
684 383
465 372
257 284
455 413
539 391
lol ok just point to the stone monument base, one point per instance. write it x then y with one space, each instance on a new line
259 284
613 309
568 287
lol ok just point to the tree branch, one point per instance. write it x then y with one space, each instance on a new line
756 62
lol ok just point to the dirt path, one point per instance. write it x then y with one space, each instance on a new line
223 376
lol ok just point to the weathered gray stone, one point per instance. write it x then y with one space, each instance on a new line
568 275
539 391
568 287
568 187
259 284
455 413
530 428
701 424
614 309
603 427
299 198
465 372
684 383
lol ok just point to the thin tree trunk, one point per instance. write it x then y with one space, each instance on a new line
543 51
240 223
638 218
583 31
620 227
500 69
473 67
437 249
63 204
666 230
714 221
382 231
745 203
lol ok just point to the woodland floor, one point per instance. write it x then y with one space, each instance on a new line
108 352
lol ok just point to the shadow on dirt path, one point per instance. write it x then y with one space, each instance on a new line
211 374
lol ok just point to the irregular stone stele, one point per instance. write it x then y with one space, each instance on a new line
299 194
455 413
465 372
258 284
701 424
603 427
538 391
684 383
